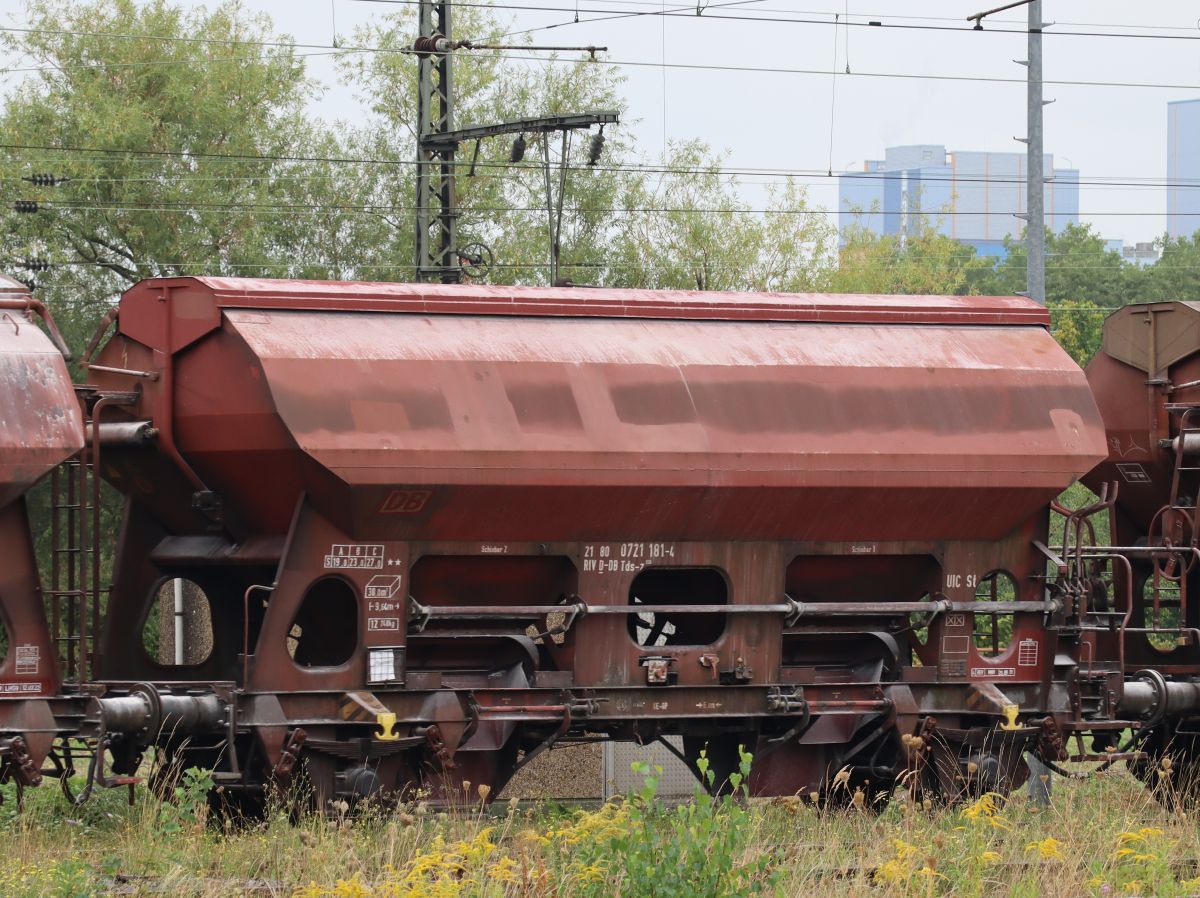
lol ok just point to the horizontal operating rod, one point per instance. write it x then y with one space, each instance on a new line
791 608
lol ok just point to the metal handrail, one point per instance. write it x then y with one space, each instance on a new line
420 614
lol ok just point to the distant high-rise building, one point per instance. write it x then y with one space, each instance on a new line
970 196
1183 168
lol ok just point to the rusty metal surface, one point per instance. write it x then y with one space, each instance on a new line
473 490
40 424
1153 336
1149 361
745 427
477 299
698 415
1147 382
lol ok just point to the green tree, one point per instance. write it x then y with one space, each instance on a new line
194 153
1085 280
1077 325
113 77
1176 274
707 238
621 226
1079 266
502 204
208 101
920 261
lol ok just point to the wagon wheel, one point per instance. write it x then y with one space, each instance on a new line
865 780
1171 768
952 773
475 778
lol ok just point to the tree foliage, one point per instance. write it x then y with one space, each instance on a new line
705 239
1079 266
922 261
195 150
109 83
1176 275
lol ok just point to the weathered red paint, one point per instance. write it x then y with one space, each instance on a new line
1146 379
700 414
521 449
39 417
40 427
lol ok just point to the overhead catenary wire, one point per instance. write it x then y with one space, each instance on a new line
833 100
645 168
268 208
1188 32
631 63
627 15
196 269
877 22
496 175
964 183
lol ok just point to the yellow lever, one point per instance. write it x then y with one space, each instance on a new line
1010 713
387 723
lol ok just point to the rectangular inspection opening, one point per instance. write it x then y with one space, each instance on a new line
677 586
494 580
849 643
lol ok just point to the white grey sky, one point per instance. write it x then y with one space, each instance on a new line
784 120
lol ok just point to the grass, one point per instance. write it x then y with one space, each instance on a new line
1106 836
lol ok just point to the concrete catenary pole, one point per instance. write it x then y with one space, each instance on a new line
1035 222
1035 239
1035 251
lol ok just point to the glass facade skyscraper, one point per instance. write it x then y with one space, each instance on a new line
1183 168
971 196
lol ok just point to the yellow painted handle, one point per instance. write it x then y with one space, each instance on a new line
1010 713
387 724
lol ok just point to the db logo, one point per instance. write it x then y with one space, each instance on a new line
405 501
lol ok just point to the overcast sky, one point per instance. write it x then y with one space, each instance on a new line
788 120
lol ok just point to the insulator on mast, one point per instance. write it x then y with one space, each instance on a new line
596 147
518 149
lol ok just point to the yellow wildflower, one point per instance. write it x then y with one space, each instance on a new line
1048 849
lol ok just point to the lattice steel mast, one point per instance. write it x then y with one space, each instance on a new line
437 253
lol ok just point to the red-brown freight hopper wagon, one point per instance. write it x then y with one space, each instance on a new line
40 427
443 528
1147 383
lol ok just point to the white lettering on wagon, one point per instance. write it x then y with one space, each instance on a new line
29 660
383 586
368 557
1027 653
993 672
624 558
